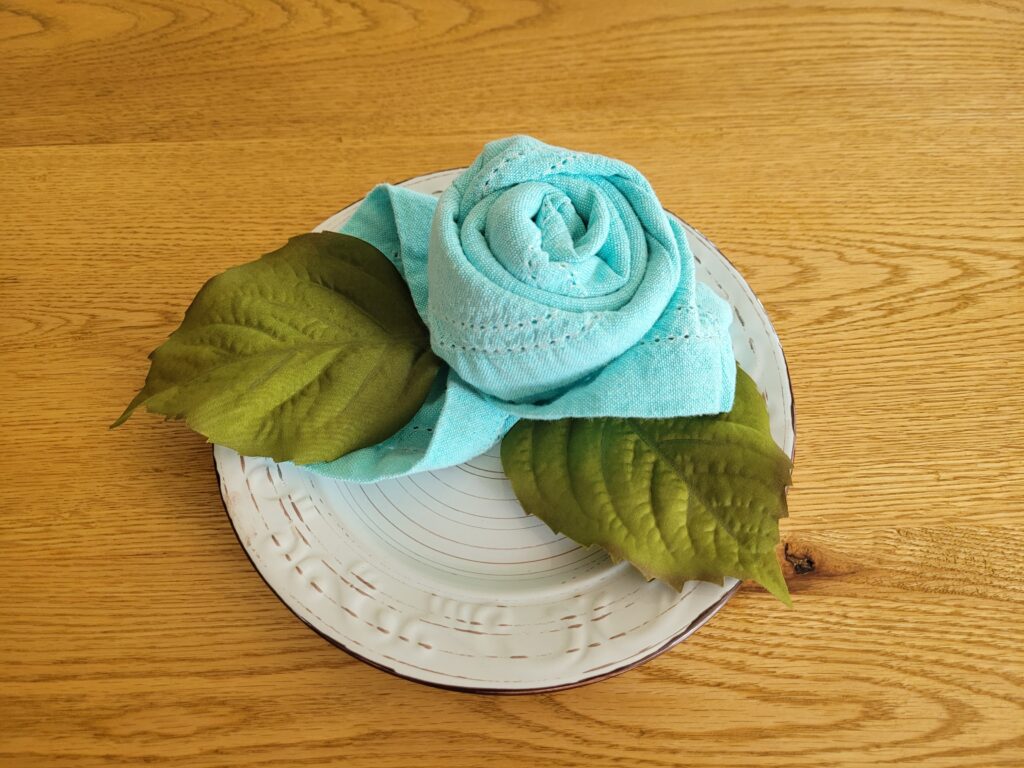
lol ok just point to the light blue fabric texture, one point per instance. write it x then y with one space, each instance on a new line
554 285
396 221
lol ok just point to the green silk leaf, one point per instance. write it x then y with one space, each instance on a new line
309 353
683 498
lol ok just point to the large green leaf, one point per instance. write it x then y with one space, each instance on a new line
310 353
683 498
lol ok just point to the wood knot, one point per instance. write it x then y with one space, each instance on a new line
802 560
803 556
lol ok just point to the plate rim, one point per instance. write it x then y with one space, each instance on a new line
697 623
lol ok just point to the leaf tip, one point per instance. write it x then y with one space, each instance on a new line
140 398
781 594
775 583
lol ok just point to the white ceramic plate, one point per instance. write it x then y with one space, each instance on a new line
442 578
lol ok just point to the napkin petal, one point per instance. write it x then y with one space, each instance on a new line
677 368
396 221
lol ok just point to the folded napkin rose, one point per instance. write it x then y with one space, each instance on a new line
554 285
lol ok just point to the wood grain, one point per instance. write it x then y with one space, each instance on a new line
861 163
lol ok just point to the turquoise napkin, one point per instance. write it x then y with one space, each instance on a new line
554 285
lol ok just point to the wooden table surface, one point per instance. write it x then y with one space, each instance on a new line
861 164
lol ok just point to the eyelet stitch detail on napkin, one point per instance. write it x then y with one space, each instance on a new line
549 343
502 164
